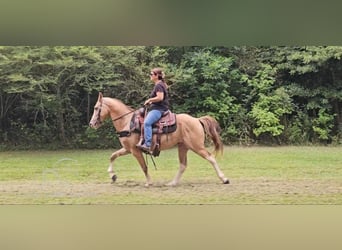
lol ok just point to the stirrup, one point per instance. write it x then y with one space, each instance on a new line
156 151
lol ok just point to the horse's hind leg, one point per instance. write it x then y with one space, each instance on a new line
115 155
182 155
206 155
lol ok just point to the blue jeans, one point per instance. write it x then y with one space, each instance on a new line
152 117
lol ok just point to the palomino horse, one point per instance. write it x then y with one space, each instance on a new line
190 134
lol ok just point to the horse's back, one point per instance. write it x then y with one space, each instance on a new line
189 125
188 129
186 117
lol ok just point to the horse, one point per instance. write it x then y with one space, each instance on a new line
190 134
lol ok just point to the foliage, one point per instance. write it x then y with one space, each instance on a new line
273 94
271 104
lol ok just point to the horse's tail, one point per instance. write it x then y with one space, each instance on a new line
212 129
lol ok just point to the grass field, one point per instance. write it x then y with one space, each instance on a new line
258 175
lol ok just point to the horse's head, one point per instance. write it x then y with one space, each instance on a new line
99 114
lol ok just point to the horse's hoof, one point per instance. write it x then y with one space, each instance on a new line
114 177
226 182
171 184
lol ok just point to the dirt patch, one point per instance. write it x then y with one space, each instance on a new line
240 191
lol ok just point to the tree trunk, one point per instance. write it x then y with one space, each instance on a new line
60 117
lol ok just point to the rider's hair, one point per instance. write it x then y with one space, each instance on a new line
160 73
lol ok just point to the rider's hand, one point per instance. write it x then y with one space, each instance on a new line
147 102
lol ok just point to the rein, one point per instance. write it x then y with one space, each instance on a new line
121 116
124 133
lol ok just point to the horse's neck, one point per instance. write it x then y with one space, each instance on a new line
117 111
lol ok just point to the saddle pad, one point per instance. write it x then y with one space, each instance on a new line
166 124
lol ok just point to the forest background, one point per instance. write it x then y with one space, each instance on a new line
274 95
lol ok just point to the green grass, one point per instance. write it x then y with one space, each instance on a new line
258 175
282 162
34 165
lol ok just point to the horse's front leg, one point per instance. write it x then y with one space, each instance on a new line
115 155
140 158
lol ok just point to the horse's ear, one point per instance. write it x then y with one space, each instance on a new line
100 97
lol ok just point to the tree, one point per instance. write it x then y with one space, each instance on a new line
271 104
269 94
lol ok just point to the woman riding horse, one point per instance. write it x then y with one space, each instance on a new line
159 103
190 134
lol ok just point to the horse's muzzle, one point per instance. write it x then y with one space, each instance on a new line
94 125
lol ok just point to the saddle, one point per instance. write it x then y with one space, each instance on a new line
165 125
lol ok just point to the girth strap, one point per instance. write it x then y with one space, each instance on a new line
124 133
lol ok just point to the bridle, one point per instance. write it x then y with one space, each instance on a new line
98 120
115 119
